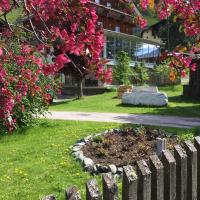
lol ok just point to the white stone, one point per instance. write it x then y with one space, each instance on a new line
113 169
80 144
89 165
88 162
120 170
145 98
76 148
87 139
151 89
77 154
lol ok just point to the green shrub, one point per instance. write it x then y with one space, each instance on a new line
122 71
140 74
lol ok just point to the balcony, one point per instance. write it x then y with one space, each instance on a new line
107 10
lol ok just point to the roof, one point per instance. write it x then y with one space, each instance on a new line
115 10
155 26
131 37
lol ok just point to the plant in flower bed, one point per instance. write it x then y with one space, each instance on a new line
125 147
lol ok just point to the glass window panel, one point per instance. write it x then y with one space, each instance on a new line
139 51
110 47
118 45
133 50
126 47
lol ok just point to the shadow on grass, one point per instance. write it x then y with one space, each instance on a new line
197 131
36 124
184 111
138 106
60 103
181 99
66 102
46 124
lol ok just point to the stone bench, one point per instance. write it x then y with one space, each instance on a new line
147 96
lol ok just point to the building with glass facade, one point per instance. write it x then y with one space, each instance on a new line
121 34
139 50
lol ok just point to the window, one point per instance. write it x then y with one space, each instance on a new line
108 5
110 47
117 29
119 46
133 50
97 1
126 46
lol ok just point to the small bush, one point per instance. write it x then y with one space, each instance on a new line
140 74
26 89
122 71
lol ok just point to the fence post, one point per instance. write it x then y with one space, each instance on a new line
192 170
181 173
161 145
110 189
157 178
169 164
129 184
72 194
92 190
197 145
50 197
144 181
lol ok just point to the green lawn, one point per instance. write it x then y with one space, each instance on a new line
37 161
178 106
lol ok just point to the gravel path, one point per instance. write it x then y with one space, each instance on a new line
157 120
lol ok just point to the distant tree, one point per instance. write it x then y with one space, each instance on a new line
140 74
122 71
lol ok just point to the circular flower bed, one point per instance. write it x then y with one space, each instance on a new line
111 150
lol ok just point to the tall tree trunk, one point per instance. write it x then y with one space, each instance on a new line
80 88
193 89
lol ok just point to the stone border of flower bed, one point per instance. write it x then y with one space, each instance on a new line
93 168
88 163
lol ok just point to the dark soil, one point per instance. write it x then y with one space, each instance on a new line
124 147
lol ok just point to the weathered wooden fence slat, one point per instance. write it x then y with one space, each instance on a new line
110 189
92 190
192 170
129 185
169 163
157 178
72 194
144 181
181 172
171 176
197 146
50 197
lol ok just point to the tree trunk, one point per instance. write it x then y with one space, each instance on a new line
193 89
80 88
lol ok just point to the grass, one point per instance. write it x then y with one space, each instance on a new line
108 102
37 161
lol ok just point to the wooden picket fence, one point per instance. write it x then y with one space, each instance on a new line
173 176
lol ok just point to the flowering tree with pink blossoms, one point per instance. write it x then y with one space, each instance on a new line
68 28
64 27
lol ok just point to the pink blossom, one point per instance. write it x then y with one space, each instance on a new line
61 60
1 52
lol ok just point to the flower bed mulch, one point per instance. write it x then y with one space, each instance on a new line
125 147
